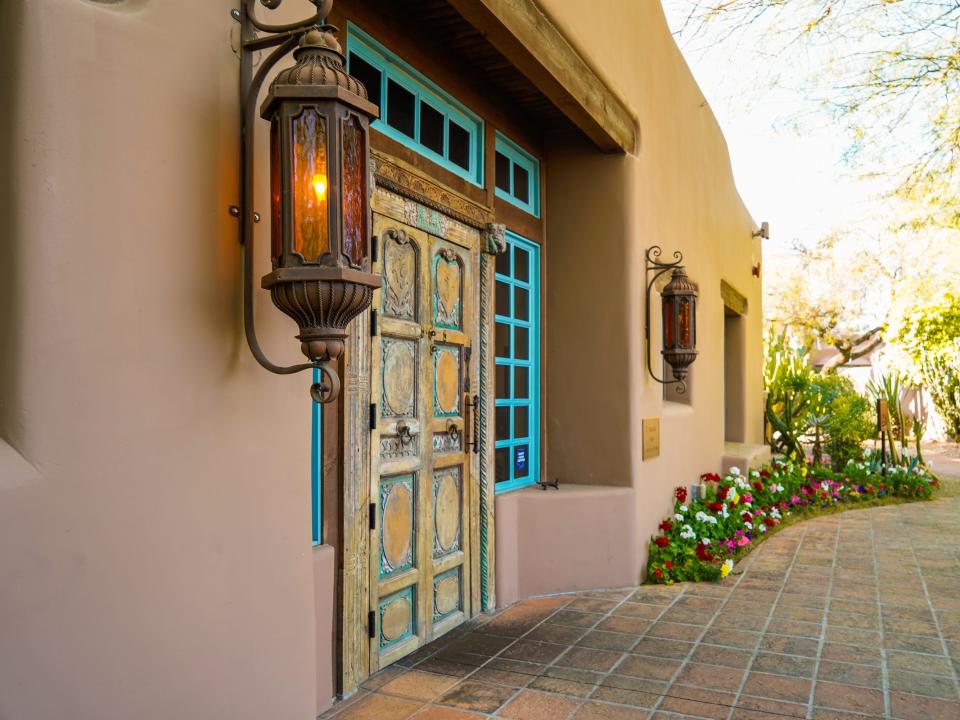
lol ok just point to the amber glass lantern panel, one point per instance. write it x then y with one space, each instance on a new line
354 192
669 322
311 228
684 334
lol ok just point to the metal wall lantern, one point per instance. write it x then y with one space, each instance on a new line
319 186
679 307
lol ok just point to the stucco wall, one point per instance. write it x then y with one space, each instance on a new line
678 192
154 516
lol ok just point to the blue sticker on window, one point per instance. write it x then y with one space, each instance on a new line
520 461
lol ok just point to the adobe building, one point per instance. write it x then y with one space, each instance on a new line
185 535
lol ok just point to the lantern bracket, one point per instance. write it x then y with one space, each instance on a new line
658 268
283 38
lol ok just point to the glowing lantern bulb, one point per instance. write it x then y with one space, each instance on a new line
320 186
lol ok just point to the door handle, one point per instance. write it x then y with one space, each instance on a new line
472 421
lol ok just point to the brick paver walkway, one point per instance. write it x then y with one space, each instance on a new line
846 617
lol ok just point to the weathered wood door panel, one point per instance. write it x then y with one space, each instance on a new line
420 549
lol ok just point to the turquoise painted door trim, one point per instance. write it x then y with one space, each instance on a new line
517 157
517 451
393 69
316 467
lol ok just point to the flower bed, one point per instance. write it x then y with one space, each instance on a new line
703 538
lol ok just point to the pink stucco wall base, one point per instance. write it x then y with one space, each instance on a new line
576 538
324 569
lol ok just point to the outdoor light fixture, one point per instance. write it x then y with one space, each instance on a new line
679 305
319 194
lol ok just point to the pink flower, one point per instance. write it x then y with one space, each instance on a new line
747 498
742 542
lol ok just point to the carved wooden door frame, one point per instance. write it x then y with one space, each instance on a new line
425 204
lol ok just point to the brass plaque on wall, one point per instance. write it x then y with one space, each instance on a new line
651 438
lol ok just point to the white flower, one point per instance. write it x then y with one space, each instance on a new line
776 434
741 483
687 532
734 470
678 517
705 541
725 513
683 508
749 526
761 528
754 473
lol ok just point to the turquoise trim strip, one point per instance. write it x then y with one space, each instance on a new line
316 466
392 67
519 157
522 444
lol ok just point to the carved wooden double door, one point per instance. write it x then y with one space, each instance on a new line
421 544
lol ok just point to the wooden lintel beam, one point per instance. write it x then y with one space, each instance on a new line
528 39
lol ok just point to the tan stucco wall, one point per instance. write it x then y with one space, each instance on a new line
155 559
678 192
154 523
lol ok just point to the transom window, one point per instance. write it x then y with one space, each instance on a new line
518 364
518 176
416 112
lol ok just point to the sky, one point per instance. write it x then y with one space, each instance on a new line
794 179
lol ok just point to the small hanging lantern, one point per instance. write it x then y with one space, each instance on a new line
319 173
679 307
679 304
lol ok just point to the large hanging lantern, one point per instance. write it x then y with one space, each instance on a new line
319 185
679 308
319 167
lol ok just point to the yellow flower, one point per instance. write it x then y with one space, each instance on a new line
803 472
735 498
726 568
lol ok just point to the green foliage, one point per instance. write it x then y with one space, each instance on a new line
802 404
930 335
849 424
787 379
702 539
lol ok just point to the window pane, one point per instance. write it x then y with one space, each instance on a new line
431 128
503 172
459 144
521 343
503 341
521 384
503 381
368 75
310 223
400 108
503 299
503 423
521 184
503 464
521 309
521 265
503 262
521 422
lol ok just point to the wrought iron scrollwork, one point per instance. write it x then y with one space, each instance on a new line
658 268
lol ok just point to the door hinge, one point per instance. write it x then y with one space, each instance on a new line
372 624
373 323
373 416
374 249
373 516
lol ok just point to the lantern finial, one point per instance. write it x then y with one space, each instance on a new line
679 306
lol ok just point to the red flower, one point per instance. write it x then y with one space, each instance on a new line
765 473
666 526
680 493
716 507
769 521
710 477
703 553
747 517
758 486
722 493
658 573
669 564
662 542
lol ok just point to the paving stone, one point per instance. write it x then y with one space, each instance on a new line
418 685
791 665
777 687
585 658
905 706
647 667
475 695
533 705
697 702
846 697
712 677
592 710
752 708
603 640
924 684
850 674
725 656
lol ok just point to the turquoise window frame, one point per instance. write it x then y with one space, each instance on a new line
393 68
532 438
316 467
519 157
